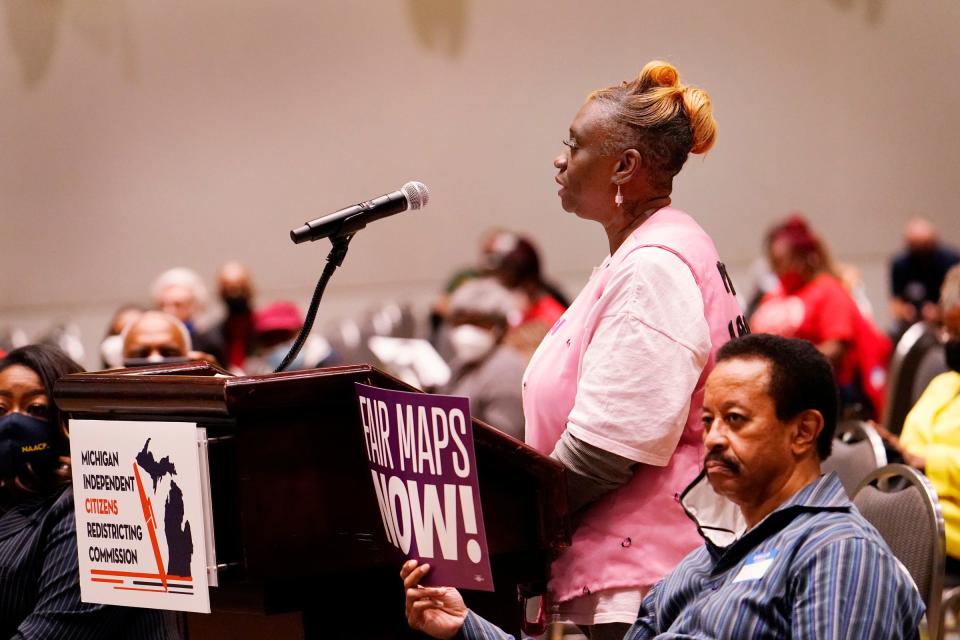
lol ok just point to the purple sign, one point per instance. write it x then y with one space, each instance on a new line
424 473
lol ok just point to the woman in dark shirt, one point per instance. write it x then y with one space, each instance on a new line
39 579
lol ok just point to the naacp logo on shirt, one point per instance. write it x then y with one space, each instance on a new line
756 565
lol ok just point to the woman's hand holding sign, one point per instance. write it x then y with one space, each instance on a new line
436 611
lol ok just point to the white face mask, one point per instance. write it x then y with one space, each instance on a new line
470 342
111 350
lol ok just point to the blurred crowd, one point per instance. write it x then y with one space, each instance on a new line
482 329
486 323
489 317
803 292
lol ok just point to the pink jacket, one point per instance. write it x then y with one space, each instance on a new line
637 533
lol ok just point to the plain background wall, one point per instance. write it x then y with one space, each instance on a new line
135 135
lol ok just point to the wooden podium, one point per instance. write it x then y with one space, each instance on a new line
300 545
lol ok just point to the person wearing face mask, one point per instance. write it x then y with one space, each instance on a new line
40 590
483 368
930 439
916 275
236 329
812 303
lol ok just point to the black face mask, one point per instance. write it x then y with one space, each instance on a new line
922 255
951 349
25 439
236 304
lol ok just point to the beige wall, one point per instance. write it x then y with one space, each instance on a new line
140 135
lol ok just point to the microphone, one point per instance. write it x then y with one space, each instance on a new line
412 195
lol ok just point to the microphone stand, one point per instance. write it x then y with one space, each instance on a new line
334 259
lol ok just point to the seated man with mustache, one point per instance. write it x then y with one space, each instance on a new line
786 555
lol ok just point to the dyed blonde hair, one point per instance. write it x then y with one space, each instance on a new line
661 118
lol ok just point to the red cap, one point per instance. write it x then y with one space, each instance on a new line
276 317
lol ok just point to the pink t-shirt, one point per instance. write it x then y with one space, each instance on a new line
623 369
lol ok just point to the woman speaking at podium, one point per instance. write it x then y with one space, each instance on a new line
614 390
39 579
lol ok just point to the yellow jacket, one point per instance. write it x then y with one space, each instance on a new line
932 430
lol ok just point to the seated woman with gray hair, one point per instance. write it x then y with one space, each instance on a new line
483 368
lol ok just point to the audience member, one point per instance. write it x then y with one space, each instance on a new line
236 329
514 260
930 439
613 391
181 293
275 328
158 338
812 303
484 369
486 260
916 275
516 264
40 589
787 557
111 348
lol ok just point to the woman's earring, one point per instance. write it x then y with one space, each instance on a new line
619 197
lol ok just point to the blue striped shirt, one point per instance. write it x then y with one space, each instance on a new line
39 581
814 568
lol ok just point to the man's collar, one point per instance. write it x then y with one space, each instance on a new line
721 524
825 492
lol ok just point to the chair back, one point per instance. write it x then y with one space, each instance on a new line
933 363
901 504
906 359
857 450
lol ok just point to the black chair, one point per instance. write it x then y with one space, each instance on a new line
900 502
906 360
857 451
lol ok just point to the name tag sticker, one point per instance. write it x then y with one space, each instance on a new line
756 565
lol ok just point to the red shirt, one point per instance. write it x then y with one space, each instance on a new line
546 309
820 311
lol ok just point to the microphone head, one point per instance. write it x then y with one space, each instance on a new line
417 194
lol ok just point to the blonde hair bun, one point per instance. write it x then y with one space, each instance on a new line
658 73
661 117
661 81
696 102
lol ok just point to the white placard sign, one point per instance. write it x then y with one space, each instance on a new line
140 528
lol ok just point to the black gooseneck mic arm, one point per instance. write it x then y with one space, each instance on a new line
338 251
340 227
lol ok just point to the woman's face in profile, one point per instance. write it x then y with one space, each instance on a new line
21 391
584 171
